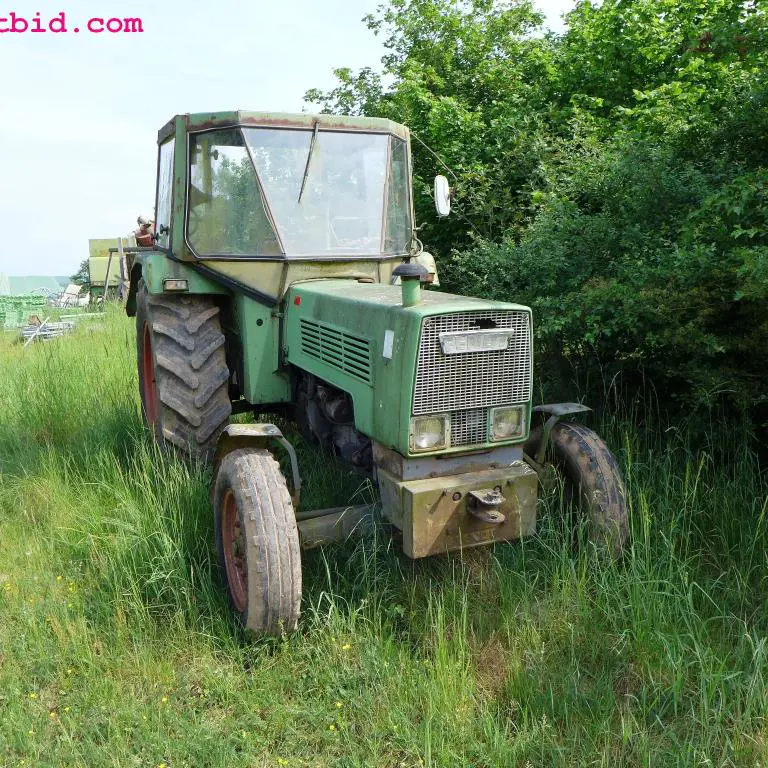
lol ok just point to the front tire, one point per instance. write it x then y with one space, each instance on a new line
593 483
183 374
257 540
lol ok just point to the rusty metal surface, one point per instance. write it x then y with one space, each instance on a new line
402 468
485 504
434 517
336 525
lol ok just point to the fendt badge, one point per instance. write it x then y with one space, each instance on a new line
460 342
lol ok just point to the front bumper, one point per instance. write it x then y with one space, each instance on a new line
434 515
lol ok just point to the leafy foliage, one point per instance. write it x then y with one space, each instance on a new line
83 274
613 177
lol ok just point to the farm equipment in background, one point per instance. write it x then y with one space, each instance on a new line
107 266
285 274
24 299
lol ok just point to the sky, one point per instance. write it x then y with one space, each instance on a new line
79 112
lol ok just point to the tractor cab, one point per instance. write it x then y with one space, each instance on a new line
298 192
264 200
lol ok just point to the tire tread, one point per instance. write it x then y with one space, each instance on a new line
587 462
190 368
273 557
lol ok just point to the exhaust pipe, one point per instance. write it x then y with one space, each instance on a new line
411 277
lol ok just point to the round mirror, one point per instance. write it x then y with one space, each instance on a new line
442 196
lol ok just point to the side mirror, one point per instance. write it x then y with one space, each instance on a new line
442 196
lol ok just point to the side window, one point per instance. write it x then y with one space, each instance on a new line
397 238
164 194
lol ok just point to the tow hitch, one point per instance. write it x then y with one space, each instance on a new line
485 504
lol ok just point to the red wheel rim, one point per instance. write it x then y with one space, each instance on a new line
150 385
234 552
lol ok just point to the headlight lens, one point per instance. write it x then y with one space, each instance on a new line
507 423
428 433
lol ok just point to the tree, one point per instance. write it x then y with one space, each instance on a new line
82 276
465 78
613 177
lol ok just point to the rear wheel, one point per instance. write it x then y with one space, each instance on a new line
257 541
593 488
183 374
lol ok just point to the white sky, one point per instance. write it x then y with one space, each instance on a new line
79 113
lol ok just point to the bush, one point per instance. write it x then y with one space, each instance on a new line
640 263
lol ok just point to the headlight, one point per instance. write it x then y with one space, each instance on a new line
507 422
428 433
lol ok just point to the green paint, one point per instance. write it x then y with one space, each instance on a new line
256 345
368 311
156 267
411 292
178 202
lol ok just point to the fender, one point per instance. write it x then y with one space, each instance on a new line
555 411
237 436
163 274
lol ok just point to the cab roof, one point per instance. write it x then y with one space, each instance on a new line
201 121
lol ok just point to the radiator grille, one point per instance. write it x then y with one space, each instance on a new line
339 349
469 427
467 385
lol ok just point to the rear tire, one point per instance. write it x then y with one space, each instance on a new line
257 540
183 374
593 482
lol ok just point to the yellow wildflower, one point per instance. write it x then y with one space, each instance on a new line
345 647
59 578
164 699
338 705
33 695
331 727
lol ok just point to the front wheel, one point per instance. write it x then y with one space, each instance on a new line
257 541
593 486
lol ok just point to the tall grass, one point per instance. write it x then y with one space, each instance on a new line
117 646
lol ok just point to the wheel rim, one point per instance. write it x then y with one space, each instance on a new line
150 384
234 552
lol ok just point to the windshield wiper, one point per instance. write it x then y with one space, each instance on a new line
309 160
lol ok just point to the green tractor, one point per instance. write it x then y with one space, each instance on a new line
286 275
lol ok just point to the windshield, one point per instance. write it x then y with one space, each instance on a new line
317 194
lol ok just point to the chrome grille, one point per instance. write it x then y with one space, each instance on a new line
473 380
469 427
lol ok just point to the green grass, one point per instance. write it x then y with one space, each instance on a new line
117 647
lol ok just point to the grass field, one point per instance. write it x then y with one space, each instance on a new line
117 647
